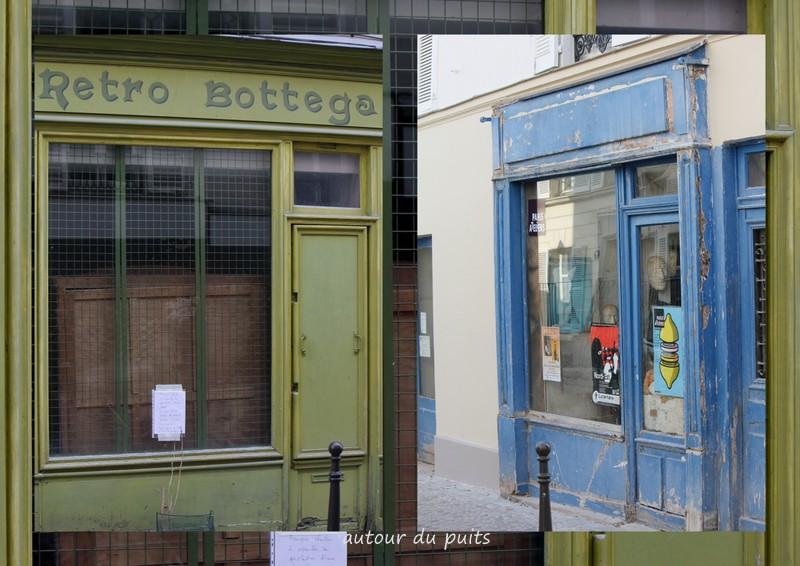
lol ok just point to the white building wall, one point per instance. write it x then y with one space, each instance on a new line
455 208
737 88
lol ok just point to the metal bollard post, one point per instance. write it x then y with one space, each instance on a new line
336 478
545 517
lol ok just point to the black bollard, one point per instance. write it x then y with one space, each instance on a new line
336 478
545 518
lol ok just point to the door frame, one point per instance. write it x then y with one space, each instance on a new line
371 318
633 423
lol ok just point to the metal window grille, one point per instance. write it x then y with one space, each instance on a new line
80 17
466 16
162 549
427 16
760 259
158 274
287 16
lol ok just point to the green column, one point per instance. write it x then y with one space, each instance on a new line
570 16
783 282
15 284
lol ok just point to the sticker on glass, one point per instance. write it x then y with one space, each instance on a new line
667 332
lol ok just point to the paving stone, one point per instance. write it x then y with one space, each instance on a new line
447 505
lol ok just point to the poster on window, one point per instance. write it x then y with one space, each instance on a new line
551 353
604 339
667 332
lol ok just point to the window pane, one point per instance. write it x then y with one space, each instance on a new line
756 169
282 16
326 179
657 180
160 261
662 328
760 257
126 304
675 16
82 411
573 296
73 17
238 214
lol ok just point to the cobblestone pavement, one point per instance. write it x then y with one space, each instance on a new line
446 505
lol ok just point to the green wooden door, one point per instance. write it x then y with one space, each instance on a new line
329 381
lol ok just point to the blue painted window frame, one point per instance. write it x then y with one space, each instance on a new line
749 388
631 211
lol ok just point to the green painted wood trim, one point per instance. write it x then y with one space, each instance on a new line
201 344
208 549
214 52
201 23
568 549
191 17
783 283
375 9
192 549
122 422
756 14
570 16
15 300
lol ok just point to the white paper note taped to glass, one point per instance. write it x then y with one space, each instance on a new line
425 346
169 412
293 548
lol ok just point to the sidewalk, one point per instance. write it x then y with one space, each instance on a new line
446 505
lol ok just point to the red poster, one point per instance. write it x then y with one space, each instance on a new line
604 340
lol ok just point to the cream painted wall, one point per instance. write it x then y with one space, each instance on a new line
736 87
455 207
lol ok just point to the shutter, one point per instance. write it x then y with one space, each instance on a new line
545 53
425 72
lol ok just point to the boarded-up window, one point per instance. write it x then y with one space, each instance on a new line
159 274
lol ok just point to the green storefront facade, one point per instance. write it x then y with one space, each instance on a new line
778 19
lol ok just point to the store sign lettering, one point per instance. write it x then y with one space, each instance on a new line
192 93
220 94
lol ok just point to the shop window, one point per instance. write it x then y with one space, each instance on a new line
159 274
760 272
662 328
573 296
756 170
327 179
657 180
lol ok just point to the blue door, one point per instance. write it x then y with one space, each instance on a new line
656 337
426 394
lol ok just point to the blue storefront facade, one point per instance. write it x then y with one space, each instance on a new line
629 246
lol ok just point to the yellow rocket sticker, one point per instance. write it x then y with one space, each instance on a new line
670 363
667 330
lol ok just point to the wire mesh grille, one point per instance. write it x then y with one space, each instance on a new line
466 16
287 16
163 549
81 266
80 17
523 548
177 293
423 16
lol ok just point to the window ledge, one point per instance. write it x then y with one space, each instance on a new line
575 425
154 461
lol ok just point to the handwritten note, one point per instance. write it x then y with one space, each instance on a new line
308 549
169 412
